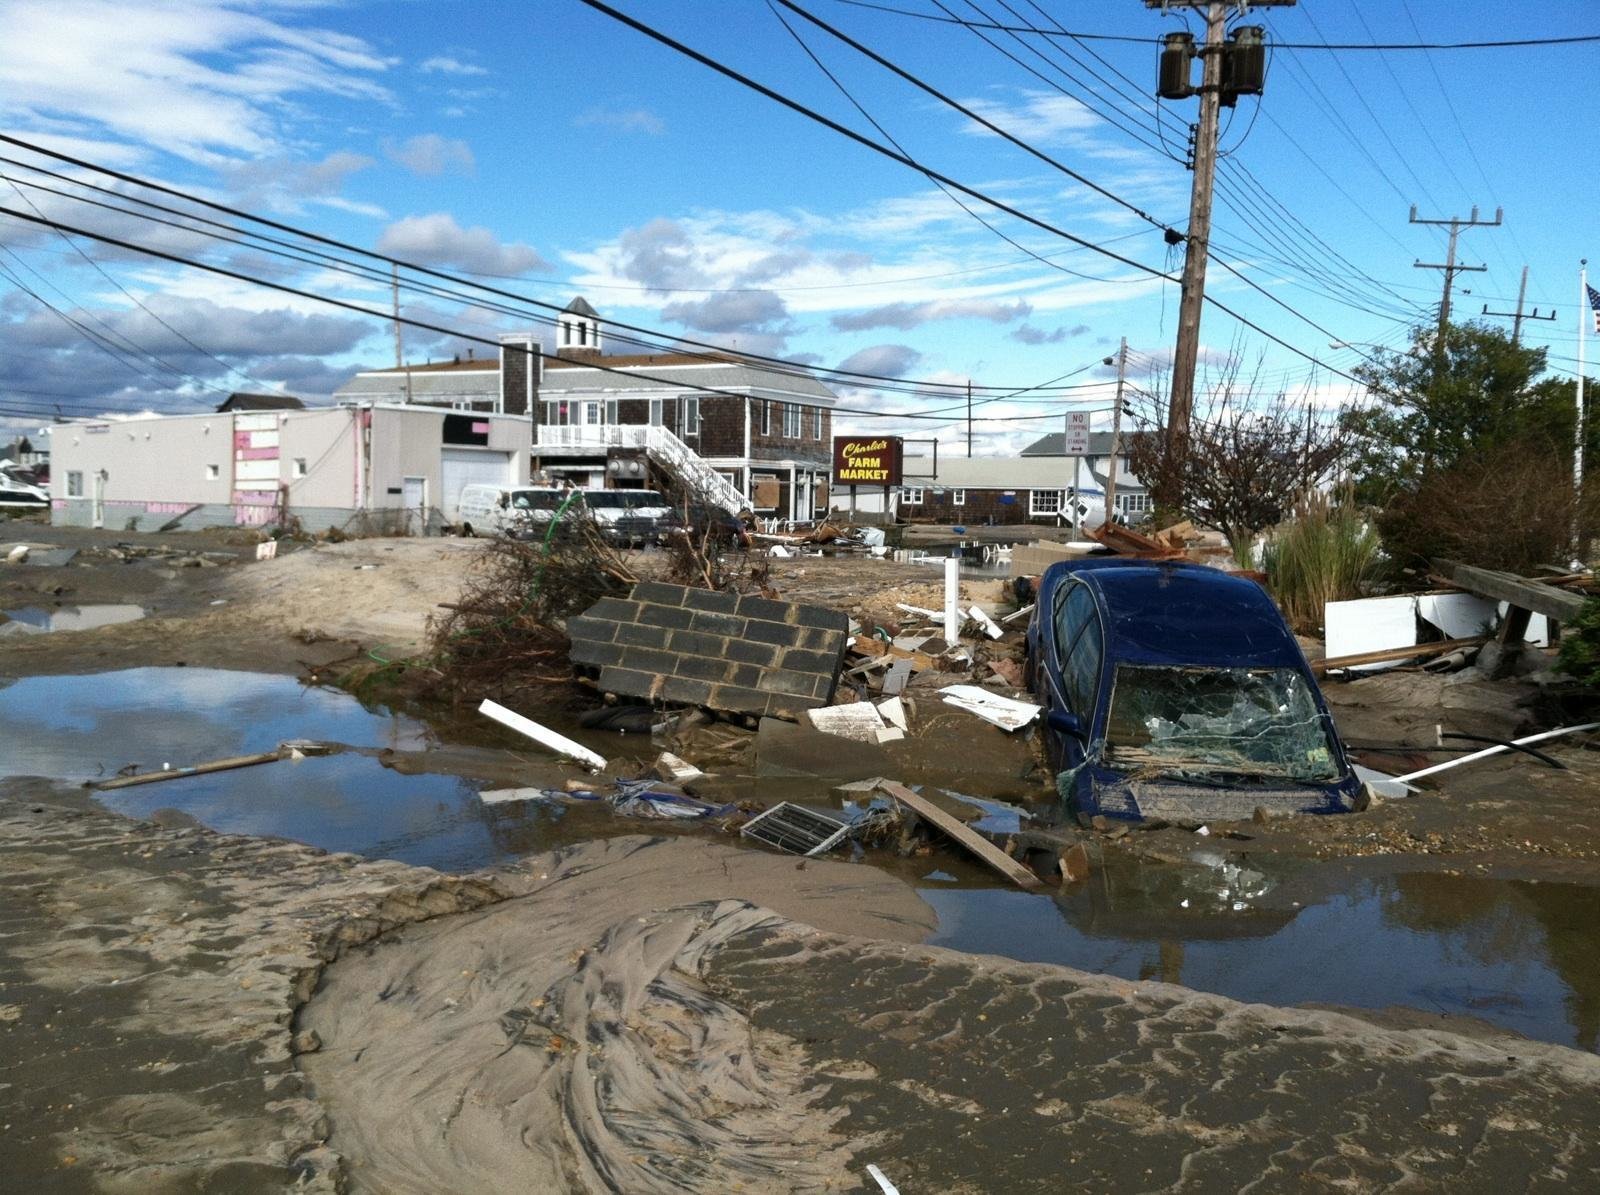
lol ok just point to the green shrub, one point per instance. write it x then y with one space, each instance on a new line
1326 553
1580 646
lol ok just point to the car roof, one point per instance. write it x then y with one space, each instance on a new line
1178 613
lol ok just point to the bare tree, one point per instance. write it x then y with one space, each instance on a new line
1248 457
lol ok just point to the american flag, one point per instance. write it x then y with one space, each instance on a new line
1594 307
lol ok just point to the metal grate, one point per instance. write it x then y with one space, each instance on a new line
796 829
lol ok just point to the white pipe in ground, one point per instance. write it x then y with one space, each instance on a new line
952 595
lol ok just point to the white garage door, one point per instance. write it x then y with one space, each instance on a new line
467 466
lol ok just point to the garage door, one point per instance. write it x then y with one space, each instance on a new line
467 466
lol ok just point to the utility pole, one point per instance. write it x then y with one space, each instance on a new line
1229 68
1450 268
1116 430
969 419
1517 316
394 301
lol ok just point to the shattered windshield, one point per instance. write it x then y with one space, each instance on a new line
1240 721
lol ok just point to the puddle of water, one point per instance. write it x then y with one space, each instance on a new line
86 727
1516 954
37 620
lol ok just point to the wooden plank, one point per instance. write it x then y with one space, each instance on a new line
972 841
1548 600
542 735
1388 655
866 645
199 769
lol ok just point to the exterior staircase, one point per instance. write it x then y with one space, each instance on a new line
663 449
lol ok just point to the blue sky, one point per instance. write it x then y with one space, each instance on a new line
547 143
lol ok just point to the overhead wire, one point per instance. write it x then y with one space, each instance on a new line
619 329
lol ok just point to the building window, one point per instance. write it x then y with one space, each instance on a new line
766 416
1135 504
658 417
213 472
691 415
791 421
74 484
611 411
299 466
816 431
911 495
958 497
1044 502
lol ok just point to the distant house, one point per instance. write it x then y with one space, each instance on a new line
1133 496
993 490
241 401
748 434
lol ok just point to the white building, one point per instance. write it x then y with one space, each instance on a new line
364 467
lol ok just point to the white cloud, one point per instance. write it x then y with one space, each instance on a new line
436 239
624 120
203 79
430 155
444 64
1040 118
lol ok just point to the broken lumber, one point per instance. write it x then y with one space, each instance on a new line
1549 600
1390 654
970 839
199 769
866 645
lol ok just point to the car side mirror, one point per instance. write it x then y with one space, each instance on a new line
1065 723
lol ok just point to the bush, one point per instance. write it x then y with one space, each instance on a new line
1327 553
1580 646
1507 506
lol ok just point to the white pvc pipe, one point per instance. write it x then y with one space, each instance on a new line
542 735
1496 750
952 594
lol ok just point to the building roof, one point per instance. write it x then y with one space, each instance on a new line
580 306
567 375
993 473
1054 444
241 401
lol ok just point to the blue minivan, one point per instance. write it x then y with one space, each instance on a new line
1176 691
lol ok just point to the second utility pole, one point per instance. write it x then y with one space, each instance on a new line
1450 268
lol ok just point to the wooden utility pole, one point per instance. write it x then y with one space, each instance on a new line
1225 75
1517 317
1181 405
1116 432
969 419
1450 268
394 301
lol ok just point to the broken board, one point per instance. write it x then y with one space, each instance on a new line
970 839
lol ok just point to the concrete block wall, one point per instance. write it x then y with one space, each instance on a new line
747 655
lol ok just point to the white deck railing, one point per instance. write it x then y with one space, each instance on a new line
662 447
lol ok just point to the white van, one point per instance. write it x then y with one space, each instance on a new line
632 518
505 510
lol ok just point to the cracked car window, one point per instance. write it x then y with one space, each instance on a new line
1228 720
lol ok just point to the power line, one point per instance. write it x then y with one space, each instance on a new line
1500 44
387 316
719 353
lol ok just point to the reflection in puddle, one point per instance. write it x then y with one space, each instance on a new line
38 620
1514 953
88 727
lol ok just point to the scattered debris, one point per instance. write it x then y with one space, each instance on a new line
970 839
298 749
1417 651
797 829
542 735
990 627
1074 864
742 654
1496 750
18 554
859 720
893 711
267 550
884 1185
1005 712
670 768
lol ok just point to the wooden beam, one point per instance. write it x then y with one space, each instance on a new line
1548 600
971 840
199 769
1391 654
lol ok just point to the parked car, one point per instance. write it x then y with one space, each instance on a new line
1177 691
